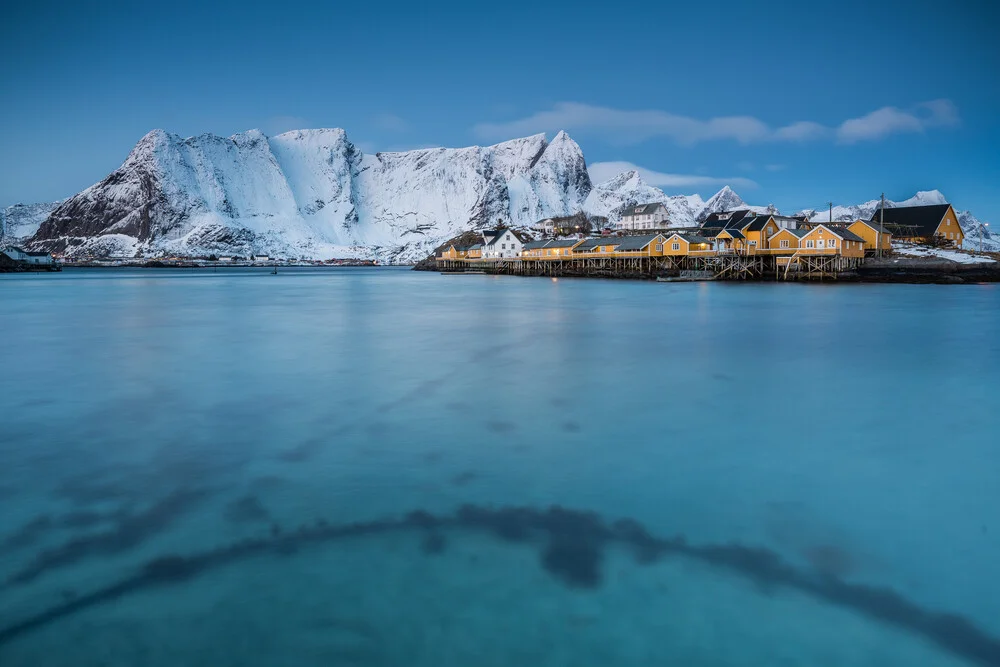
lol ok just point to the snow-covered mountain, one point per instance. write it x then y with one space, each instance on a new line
20 222
311 193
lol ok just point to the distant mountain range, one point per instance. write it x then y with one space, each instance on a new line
313 194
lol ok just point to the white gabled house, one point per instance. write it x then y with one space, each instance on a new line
500 244
24 257
645 216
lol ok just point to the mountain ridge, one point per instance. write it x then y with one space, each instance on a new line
313 194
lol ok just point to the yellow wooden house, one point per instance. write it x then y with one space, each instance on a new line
683 245
922 223
757 231
475 251
785 241
875 235
454 252
560 248
533 249
824 239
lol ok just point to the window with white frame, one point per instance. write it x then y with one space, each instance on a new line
783 243
821 243
832 243
810 244
676 246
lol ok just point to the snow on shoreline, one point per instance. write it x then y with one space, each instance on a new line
928 252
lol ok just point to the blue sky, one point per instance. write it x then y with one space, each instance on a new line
793 103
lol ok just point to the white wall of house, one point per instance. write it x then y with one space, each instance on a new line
507 245
655 219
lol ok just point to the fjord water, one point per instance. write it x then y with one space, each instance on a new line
852 429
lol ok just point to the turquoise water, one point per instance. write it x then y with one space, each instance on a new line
849 429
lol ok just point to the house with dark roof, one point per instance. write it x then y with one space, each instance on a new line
588 245
644 216
533 248
647 245
827 239
502 243
877 237
922 223
720 220
560 247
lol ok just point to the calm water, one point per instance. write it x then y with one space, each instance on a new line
853 430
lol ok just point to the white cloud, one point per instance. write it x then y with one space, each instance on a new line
628 126
603 171
634 126
890 120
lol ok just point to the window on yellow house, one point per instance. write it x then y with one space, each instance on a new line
676 246
659 247
784 243
809 244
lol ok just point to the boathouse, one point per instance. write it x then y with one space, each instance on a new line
922 223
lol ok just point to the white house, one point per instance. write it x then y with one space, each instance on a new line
501 243
546 226
19 255
645 216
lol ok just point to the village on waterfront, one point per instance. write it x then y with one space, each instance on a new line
731 245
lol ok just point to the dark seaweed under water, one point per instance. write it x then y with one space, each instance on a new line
375 467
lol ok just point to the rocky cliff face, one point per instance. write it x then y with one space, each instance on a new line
311 193
20 222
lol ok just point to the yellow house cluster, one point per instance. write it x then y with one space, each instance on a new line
741 232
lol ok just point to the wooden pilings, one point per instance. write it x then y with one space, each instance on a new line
731 266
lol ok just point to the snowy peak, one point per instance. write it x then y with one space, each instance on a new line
723 200
924 198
